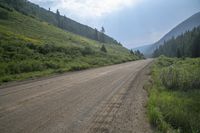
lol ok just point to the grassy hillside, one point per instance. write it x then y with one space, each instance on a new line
174 102
30 9
30 48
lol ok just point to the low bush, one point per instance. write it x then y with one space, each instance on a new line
78 66
87 51
181 76
24 66
3 14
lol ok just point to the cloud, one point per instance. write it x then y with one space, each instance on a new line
89 8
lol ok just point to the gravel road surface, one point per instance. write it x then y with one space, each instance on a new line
102 100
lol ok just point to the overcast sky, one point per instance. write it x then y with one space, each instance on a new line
132 22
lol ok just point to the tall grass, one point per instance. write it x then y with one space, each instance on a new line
174 102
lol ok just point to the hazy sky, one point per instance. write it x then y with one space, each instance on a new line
132 22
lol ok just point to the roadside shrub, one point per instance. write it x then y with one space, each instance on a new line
24 66
37 66
170 77
181 78
6 79
52 65
87 51
78 66
164 61
12 68
2 69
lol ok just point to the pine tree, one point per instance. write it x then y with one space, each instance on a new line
178 53
196 47
102 30
58 18
102 34
103 49
131 52
96 36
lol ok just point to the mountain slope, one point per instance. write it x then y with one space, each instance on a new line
187 25
30 47
186 45
33 10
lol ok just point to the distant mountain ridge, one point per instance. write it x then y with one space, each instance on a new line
185 45
187 25
63 22
146 50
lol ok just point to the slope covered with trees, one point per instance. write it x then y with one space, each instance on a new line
30 47
185 45
187 25
33 10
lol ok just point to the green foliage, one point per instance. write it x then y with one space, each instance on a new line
174 102
3 14
87 51
34 48
139 54
29 9
196 46
131 52
103 49
181 76
186 45
5 6
165 62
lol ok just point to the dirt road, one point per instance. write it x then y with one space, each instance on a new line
107 99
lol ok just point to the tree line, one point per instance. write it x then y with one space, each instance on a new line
185 45
56 19
137 53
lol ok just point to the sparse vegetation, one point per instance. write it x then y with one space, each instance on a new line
174 98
